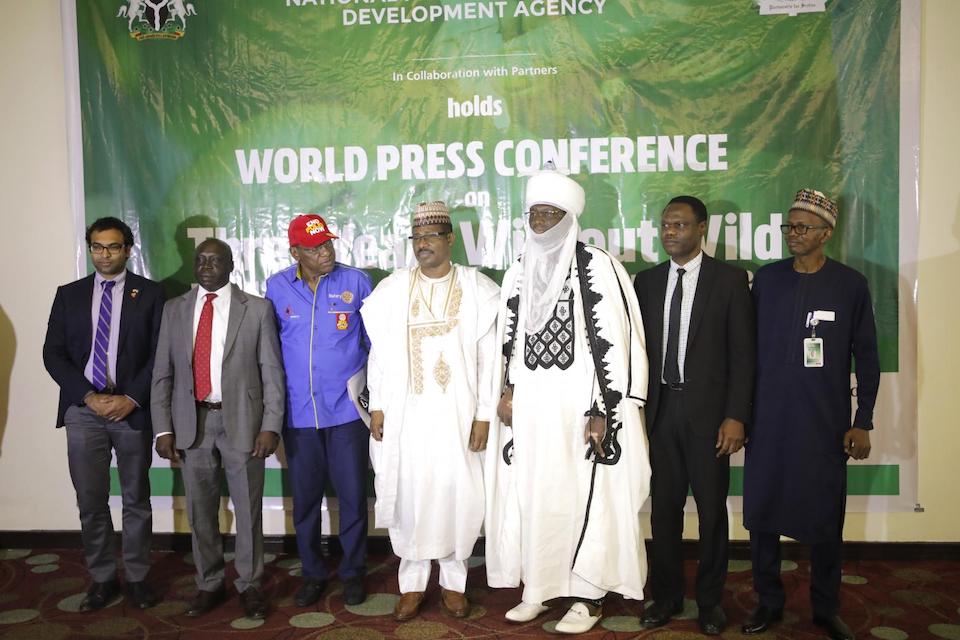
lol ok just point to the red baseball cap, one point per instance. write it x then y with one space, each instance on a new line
308 230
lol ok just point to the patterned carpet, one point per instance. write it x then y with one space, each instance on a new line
41 590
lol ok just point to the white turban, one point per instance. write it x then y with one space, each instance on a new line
555 189
547 256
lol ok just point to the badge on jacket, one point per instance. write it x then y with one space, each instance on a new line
343 321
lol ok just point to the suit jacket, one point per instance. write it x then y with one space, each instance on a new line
720 358
252 374
69 340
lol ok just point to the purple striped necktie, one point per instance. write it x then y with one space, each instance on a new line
102 342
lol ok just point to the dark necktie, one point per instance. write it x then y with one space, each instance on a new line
101 344
671 364
202 385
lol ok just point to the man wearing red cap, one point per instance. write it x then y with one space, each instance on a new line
325 350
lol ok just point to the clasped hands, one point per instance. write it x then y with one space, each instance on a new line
112 407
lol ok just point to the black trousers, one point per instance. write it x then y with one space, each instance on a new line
684 455
824 573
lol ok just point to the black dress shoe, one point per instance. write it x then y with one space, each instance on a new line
712 620
205 601
254 605
660 613
99 595
310 591
834 626
761 619
141 595
353 591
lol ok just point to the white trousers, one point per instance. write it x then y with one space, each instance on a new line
414 574
580 588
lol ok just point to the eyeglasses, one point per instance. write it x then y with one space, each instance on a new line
800 229
676 226
99 249
326 247
429 237
549 214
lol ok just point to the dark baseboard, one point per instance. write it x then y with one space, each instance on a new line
380 545
863 551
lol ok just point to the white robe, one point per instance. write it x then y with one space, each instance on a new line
552 514
431 377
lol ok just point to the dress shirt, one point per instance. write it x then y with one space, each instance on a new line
690 278
221 315
117 294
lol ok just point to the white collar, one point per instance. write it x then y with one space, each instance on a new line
692 265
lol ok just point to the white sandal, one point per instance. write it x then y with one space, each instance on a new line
525 612
578 619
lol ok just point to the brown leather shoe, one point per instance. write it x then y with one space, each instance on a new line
454 603
408 606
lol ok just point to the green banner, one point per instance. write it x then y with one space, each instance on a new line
228 117
243 113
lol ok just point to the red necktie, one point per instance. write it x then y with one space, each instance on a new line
201 351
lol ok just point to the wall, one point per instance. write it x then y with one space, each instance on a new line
37 255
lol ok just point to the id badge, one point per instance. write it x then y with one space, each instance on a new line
813 352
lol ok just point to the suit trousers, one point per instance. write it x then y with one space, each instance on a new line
683 456
90 440
339 455
201 479
825 561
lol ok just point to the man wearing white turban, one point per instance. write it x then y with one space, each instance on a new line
567 468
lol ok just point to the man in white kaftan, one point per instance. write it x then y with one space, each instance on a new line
432 331
567 468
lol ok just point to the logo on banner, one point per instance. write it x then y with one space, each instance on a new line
160 19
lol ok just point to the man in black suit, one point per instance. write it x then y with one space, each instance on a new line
99 348
699 323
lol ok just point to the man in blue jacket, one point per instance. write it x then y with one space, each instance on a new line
324 354
814 320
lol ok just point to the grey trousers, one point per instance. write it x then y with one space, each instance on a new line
90 439
201 479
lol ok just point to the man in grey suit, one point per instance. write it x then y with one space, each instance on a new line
218 398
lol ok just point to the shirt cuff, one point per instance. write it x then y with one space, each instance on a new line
137 404
484 413
165 433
